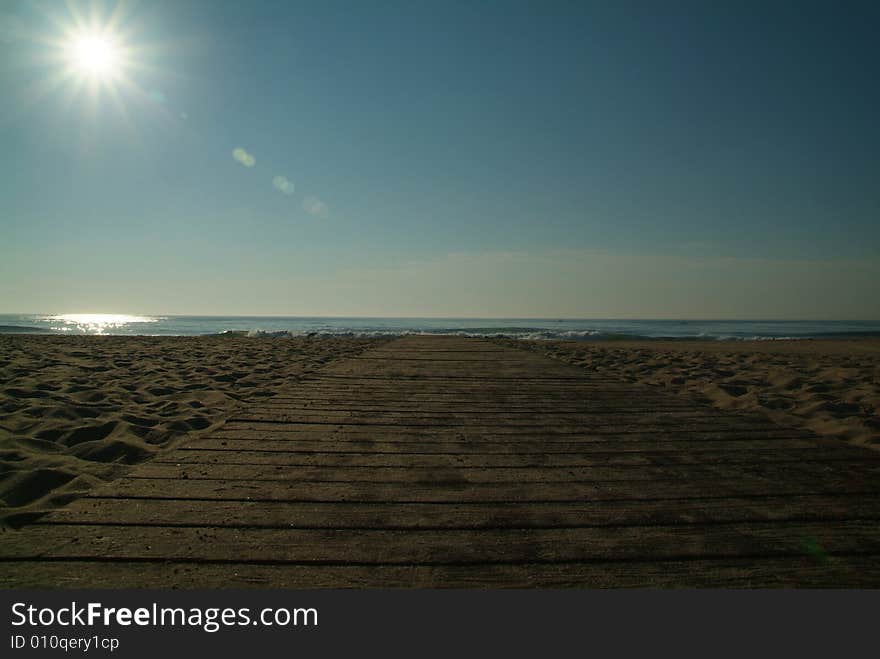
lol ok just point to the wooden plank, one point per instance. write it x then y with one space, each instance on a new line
483 380
367 546
454 399
163 488
784 572
481 388
341 432
499 416
195 456
440 446
477 395
654 425
457 410
818 471
255 514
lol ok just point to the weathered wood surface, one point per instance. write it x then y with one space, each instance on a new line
431 462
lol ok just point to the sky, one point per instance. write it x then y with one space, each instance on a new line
514 159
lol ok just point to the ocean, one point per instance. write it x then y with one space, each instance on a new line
525 328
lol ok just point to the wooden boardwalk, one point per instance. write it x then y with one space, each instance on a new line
429 462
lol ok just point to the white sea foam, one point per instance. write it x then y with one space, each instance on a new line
533 329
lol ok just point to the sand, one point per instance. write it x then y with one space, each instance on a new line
76 411
831 387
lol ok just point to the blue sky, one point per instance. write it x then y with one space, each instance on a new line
576 159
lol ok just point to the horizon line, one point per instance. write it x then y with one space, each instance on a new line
554 318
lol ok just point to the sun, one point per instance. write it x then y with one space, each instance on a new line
95 55
91 56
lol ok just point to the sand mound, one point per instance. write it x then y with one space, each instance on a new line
831 387
78 410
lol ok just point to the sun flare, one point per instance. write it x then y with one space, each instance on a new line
95 55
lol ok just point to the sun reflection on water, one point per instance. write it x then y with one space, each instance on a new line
97 323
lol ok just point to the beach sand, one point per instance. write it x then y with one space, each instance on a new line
831 387
79 410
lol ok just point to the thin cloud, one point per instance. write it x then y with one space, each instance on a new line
244 157
315 207
283 186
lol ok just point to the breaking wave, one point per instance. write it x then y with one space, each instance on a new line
533 329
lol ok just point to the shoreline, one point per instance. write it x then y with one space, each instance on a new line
589 330
597 338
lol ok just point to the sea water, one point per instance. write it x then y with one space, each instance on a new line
527 328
